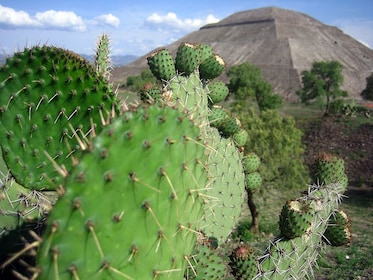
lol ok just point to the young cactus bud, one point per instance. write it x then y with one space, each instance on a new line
338 232
212 67
188 57
295 218
251 162
162 64
240 138
217 116
253 180
218 91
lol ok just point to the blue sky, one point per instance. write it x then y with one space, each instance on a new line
137 27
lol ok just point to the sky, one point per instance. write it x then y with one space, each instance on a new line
137 27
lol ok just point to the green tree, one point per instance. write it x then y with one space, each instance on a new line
137 83
367 93
323 82
246 83
278 142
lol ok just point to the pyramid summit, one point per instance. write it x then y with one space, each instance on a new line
282 43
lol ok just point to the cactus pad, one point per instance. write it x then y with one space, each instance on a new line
338 232
48 95
137 218
295 218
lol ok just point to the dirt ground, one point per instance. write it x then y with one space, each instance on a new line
354 143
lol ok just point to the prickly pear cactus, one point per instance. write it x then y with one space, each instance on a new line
191 93
102 61
294 258
49 98
132 204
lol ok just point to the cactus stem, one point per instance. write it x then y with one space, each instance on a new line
91 228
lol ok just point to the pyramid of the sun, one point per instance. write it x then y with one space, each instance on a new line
282 43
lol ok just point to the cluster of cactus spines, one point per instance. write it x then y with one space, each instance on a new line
48 97
19 205
135 198
338 232
190 93
102 61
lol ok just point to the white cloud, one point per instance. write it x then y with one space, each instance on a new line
51 19
61 20
171 22
12 18
107 19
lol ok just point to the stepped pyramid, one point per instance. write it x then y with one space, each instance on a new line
282 43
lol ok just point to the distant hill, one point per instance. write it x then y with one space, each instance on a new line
282 43
117 60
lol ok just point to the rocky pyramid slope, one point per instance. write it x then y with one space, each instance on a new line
283 43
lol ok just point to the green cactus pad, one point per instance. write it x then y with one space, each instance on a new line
206 263
338 232
217 115
243 263
253 180
206 51
211 67
295 218
162 64
137 219
49 95
188 58
240 137
295 258
251 162
225 189
328 169
218 91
